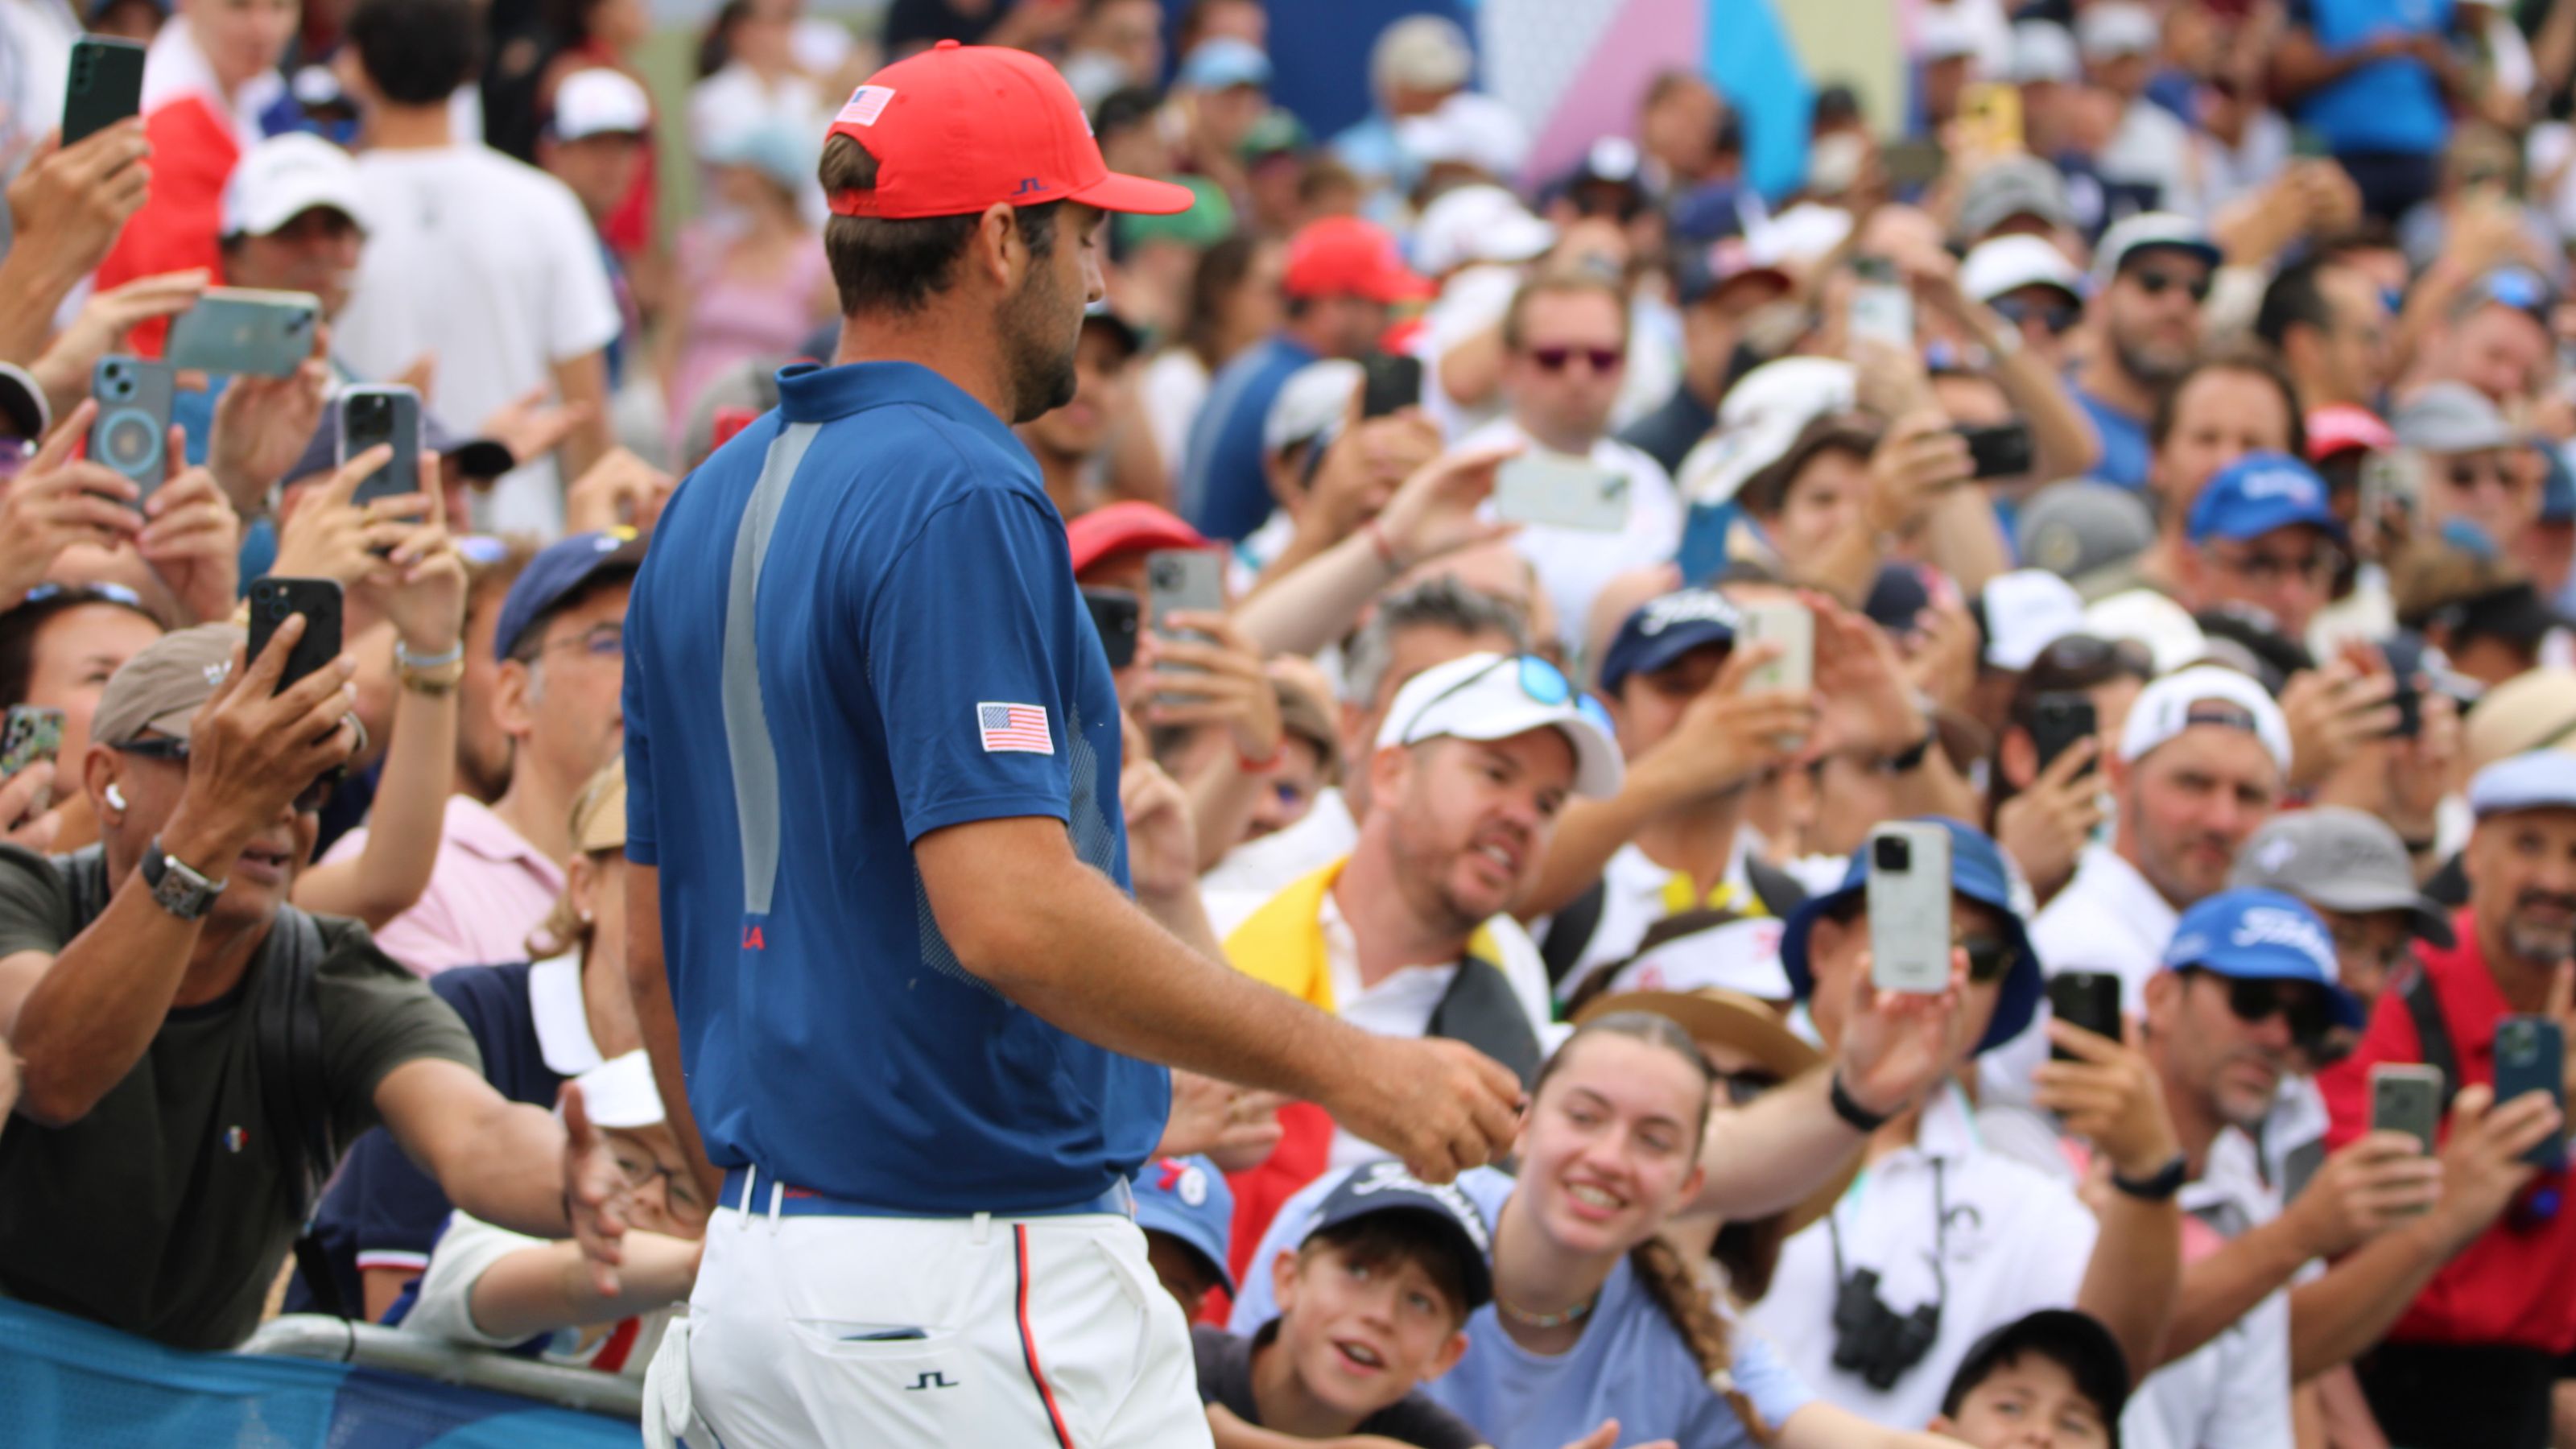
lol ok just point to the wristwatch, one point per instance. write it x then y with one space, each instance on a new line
430 674
2159 1187
178 887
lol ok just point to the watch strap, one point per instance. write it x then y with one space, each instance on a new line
2159 1186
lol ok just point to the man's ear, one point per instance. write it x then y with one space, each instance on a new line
514 699
997 251
98 776
1388 769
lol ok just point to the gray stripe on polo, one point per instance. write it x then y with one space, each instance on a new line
747 743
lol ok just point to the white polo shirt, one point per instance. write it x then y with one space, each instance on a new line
2107 919
1260 869
1573 564
2232 1392
2016 1241
1632 903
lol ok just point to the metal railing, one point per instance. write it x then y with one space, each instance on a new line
335 1340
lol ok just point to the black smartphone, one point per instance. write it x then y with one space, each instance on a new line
1999 450
2530 1055
105 86
1389 382
1113 613
274 600
2089 999
2057 720
382 414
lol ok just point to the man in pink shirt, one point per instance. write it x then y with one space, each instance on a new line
560 640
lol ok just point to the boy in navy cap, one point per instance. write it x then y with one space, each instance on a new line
1372 1305
2263 539
2051 1378
1878 1304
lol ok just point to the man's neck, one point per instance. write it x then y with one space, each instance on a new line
1697 840
1309 335
940 337
217 964
409 128
2124 844
1556 440
2524 984
1388 932
1287 1406
2102 376
2316 392
2195 1125
539 808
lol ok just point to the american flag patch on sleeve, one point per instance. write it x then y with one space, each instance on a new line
1021 727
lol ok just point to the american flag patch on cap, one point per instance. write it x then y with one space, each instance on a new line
1020 727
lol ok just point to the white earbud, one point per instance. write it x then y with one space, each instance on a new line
115 797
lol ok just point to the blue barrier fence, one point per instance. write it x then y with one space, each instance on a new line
76 1385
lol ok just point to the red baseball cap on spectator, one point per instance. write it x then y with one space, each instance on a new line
1343 256
1126 528
958 128
2341 427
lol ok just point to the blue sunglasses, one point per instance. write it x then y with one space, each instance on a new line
1540 680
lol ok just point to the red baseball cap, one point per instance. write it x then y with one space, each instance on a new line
2339 427
958 128
1128 527
1343 256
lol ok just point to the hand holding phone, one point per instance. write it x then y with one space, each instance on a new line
1561 492
2531 1056
2058 720
1908 893
245 331
388 414
103 86
131 432
274 600
2407 1097
33 735
2089 999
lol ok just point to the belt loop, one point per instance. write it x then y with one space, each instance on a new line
983 1228
750 1184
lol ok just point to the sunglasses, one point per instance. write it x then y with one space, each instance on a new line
2466 473
313 799
1600 359
2257 1001
1540 680
2261 568
2058 317
2155 282
1989 957
85 593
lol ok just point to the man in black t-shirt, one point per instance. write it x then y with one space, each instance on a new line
169 1007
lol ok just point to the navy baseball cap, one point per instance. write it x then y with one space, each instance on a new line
2254 933
1187 1198
1979 871
1666 628
2257 494
563 569
1382 1187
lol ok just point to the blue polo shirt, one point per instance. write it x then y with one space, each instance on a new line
1224 492
857 625
2385 105
2125 449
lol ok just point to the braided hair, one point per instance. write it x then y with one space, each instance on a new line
1666 1279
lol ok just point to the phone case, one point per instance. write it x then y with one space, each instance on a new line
2089 999
1881 313
388 414
103 86
274 600
2406 1097
1909 907
2531 1053
2057 722
33 733
131 433
237 330
1795 628
1389 382
1113 615
1561 493
1183 581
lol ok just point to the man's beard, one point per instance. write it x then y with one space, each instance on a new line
2150 364
1039 347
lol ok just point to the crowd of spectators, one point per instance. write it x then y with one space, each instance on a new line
2158 429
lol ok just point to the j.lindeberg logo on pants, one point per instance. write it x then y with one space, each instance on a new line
931 1380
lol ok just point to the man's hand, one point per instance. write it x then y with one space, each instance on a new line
1726 737
1909 470
596 1197
1434 513
1363 466
71 201
21 824
1162 835
192 539
2333 711
253 749
2046 826
325 535
421 586
1236 1126
1440 1106
1943 668
621 490
2481 1164
1227 689
262 425
1898 1045
1868 705
56 502
531 427
2378 1181
64 369
2109 1097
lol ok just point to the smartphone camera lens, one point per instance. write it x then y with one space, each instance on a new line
1890 853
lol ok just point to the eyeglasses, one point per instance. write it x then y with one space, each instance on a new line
2467 473
1540 680
2155 282
599 641
313 799
2058 317
1600 359
2353 944
1989 957
2256 1001
2315 566
640 1174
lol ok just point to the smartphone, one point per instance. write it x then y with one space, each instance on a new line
273 600
1912 161
1990 119
1113 613
1795 629
1881 309
1999 450
1389 381
33 733
2406 1097
1561 492
2410 708
2089 999
2057 720
242 330
1909 907
131 433
105 86
382 413
2531 1056
2307 142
